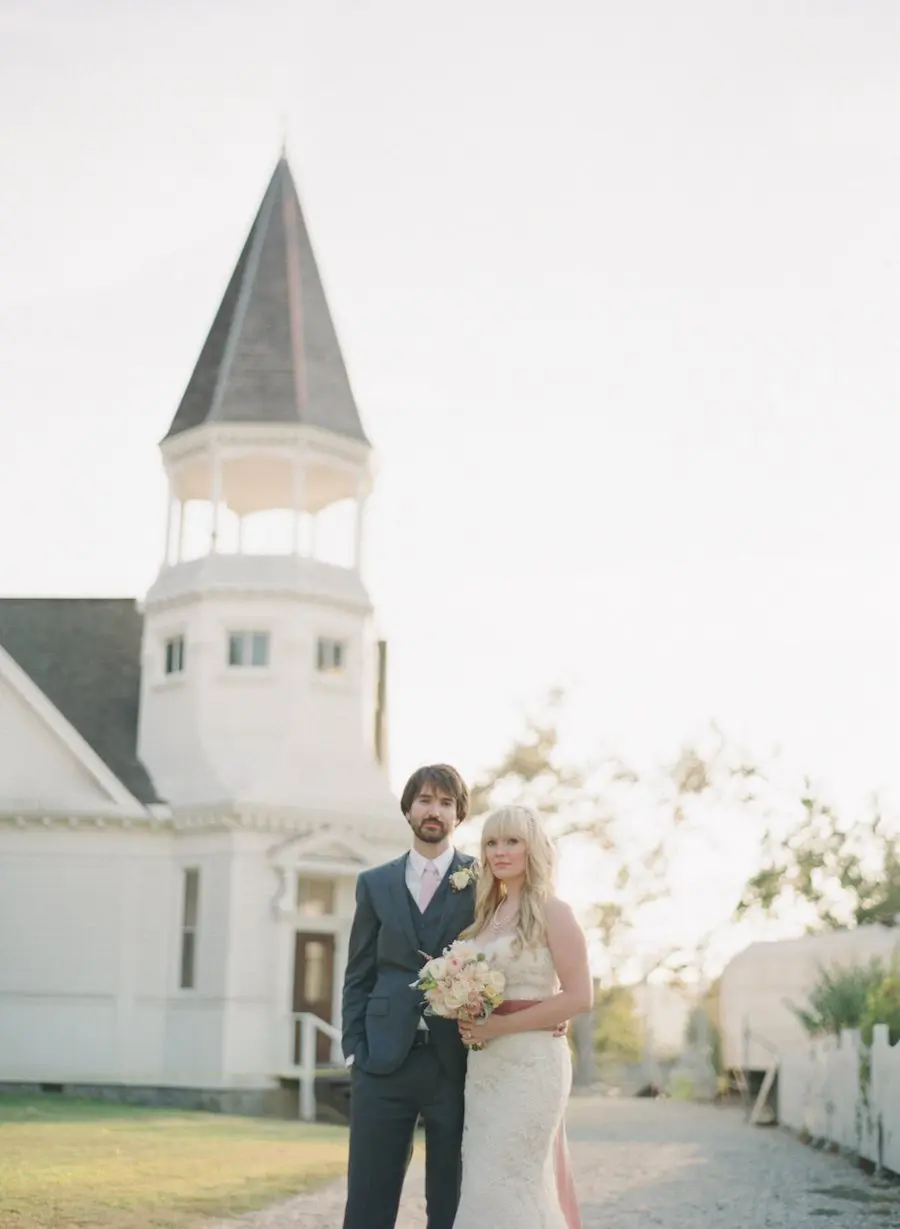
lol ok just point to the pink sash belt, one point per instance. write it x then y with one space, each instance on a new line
565 1182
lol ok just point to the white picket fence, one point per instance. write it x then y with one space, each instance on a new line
822 1092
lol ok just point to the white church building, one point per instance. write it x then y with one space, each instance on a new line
189 784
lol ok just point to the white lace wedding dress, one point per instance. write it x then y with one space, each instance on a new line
517 1088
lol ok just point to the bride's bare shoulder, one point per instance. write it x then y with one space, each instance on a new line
555 907
559 914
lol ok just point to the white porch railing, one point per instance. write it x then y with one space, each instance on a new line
310 1027
822 1092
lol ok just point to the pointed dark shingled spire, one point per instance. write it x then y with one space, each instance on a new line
272 354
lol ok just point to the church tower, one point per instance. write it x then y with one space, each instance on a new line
262 685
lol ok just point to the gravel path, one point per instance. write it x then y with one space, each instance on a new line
670 1166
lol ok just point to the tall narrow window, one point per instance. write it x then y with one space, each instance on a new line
331 656
248 649
189 918
174 655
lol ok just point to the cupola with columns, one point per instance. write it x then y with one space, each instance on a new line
260 669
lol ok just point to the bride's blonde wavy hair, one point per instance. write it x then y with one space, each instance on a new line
540 875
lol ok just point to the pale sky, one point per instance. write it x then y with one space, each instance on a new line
618 285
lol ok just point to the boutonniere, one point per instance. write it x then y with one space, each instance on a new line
466 875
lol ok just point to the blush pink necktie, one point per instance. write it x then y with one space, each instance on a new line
430 881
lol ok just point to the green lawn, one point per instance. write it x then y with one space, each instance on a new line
70 1163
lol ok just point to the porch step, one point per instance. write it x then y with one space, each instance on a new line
332 1092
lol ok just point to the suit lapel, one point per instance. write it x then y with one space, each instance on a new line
451 902
402 900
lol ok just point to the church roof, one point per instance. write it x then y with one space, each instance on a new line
85 656
272 354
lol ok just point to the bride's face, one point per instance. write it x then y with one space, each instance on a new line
507 857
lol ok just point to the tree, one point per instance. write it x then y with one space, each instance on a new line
841 875
532 773
617 1031
704 1025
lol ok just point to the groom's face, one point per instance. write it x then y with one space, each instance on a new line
432 815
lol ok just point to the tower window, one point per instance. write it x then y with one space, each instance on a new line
248 649
174 655
331 656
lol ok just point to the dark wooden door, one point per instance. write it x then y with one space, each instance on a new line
314 985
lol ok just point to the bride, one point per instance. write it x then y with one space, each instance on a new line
514 1155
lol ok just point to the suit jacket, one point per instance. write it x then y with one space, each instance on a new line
381 1010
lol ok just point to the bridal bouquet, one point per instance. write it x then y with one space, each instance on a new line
460 984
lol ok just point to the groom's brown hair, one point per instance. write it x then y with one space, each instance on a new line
442 777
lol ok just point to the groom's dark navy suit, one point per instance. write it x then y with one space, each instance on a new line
401 1072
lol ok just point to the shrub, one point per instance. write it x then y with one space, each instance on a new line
883 1007
840 998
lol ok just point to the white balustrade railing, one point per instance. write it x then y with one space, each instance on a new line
837 1090
307 1066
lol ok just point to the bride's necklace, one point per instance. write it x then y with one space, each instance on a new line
498 922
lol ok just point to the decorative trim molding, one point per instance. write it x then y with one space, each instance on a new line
59 821
353 850
284 577
281 904
315 443
249 590
301 834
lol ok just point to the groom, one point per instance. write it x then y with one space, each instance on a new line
402 1066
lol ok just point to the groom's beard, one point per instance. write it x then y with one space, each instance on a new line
431 831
